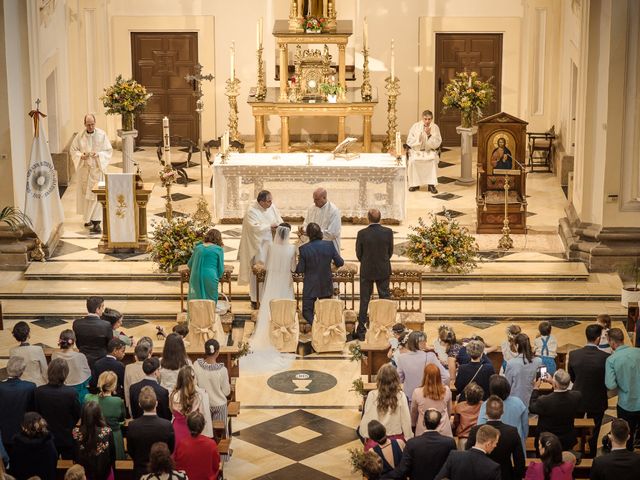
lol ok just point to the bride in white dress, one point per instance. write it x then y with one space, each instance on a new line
280 262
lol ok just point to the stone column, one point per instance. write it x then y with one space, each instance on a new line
128 143
466 152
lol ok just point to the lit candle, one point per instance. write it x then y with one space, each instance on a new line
398 144
393 62
365 41
232 65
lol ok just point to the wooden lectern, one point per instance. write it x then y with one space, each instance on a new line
501 153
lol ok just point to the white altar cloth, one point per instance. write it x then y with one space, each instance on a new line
373 180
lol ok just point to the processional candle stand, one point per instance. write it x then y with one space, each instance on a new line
202 214
392 86
506 242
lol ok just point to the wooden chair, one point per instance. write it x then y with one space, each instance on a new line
328 333
284 328
540 146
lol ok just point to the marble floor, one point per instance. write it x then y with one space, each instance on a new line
300 421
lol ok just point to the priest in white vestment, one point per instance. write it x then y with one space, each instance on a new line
258 225
325 214
91 152
424 140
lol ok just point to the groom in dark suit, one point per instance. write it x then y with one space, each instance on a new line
315 262
374 248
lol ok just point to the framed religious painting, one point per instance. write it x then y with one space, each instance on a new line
501 156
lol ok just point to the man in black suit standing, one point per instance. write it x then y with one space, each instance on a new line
16 398
586 367
474 464
423 456
93 333
111 362
620 463
374 248
557 410
151 369
315 262
508 452
147 430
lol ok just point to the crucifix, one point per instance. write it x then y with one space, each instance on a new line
202 212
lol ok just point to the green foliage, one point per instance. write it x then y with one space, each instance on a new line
467 92
173 242
14 218
330 88
356 352
125 96
630 272
358 386
444 244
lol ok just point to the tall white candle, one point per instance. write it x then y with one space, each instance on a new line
232 65
365 33
398 144
393 62
166 140
259 34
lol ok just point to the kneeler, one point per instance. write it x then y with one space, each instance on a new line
328 333
284 328
204 324
382 316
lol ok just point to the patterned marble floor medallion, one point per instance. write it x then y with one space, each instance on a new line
296 471
301 382
267 435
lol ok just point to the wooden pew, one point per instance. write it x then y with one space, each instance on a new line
583 426
375 358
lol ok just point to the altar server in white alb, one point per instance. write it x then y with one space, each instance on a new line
325 214
259 223
424 140
91 152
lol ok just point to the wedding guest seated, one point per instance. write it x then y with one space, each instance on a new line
174 357
133 372
388 405
553 466
474 371
94 446
146 430
411 364
196 454
75 472
508 452
619 463
161 466
114 317
60 407
466 412
424 455
432 394
111 363
187 397
79 371
33 453
151 369
213 377
36 364
388 449
16 398
112 408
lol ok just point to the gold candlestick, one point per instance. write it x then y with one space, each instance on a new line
365 90
506 243
393 90
261 89
232 90
167 206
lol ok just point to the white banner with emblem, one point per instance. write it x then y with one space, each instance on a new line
122 215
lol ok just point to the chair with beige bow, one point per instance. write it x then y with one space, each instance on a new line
204 324
328 333
284 327
382 316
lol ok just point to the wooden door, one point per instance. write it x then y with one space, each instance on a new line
459 52
160 63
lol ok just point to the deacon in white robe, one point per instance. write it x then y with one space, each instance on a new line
258 225
424 139
325 214
91 152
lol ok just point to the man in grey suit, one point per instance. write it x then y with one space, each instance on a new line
374 248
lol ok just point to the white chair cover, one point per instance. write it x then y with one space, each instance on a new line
204 324
382 316
328 333
284 328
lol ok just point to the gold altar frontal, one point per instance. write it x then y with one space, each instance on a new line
351 105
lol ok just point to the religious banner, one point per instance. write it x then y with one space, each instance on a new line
42 203
122 222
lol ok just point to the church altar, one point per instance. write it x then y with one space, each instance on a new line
372 180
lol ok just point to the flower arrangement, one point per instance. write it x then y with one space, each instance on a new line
244 348
173 241
358 386
356 352
469 94
126 98
330 89
444 244
168 176
368 463
314 24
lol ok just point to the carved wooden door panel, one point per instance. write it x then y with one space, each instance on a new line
457 52
160 63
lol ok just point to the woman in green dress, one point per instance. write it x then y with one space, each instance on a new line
206 266
112 408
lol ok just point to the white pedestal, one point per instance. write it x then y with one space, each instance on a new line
127 136
466 149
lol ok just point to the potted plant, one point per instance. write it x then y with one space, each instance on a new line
14 218
126 98
331 91
314 24
630 276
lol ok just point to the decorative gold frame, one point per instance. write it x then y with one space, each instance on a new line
312 65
